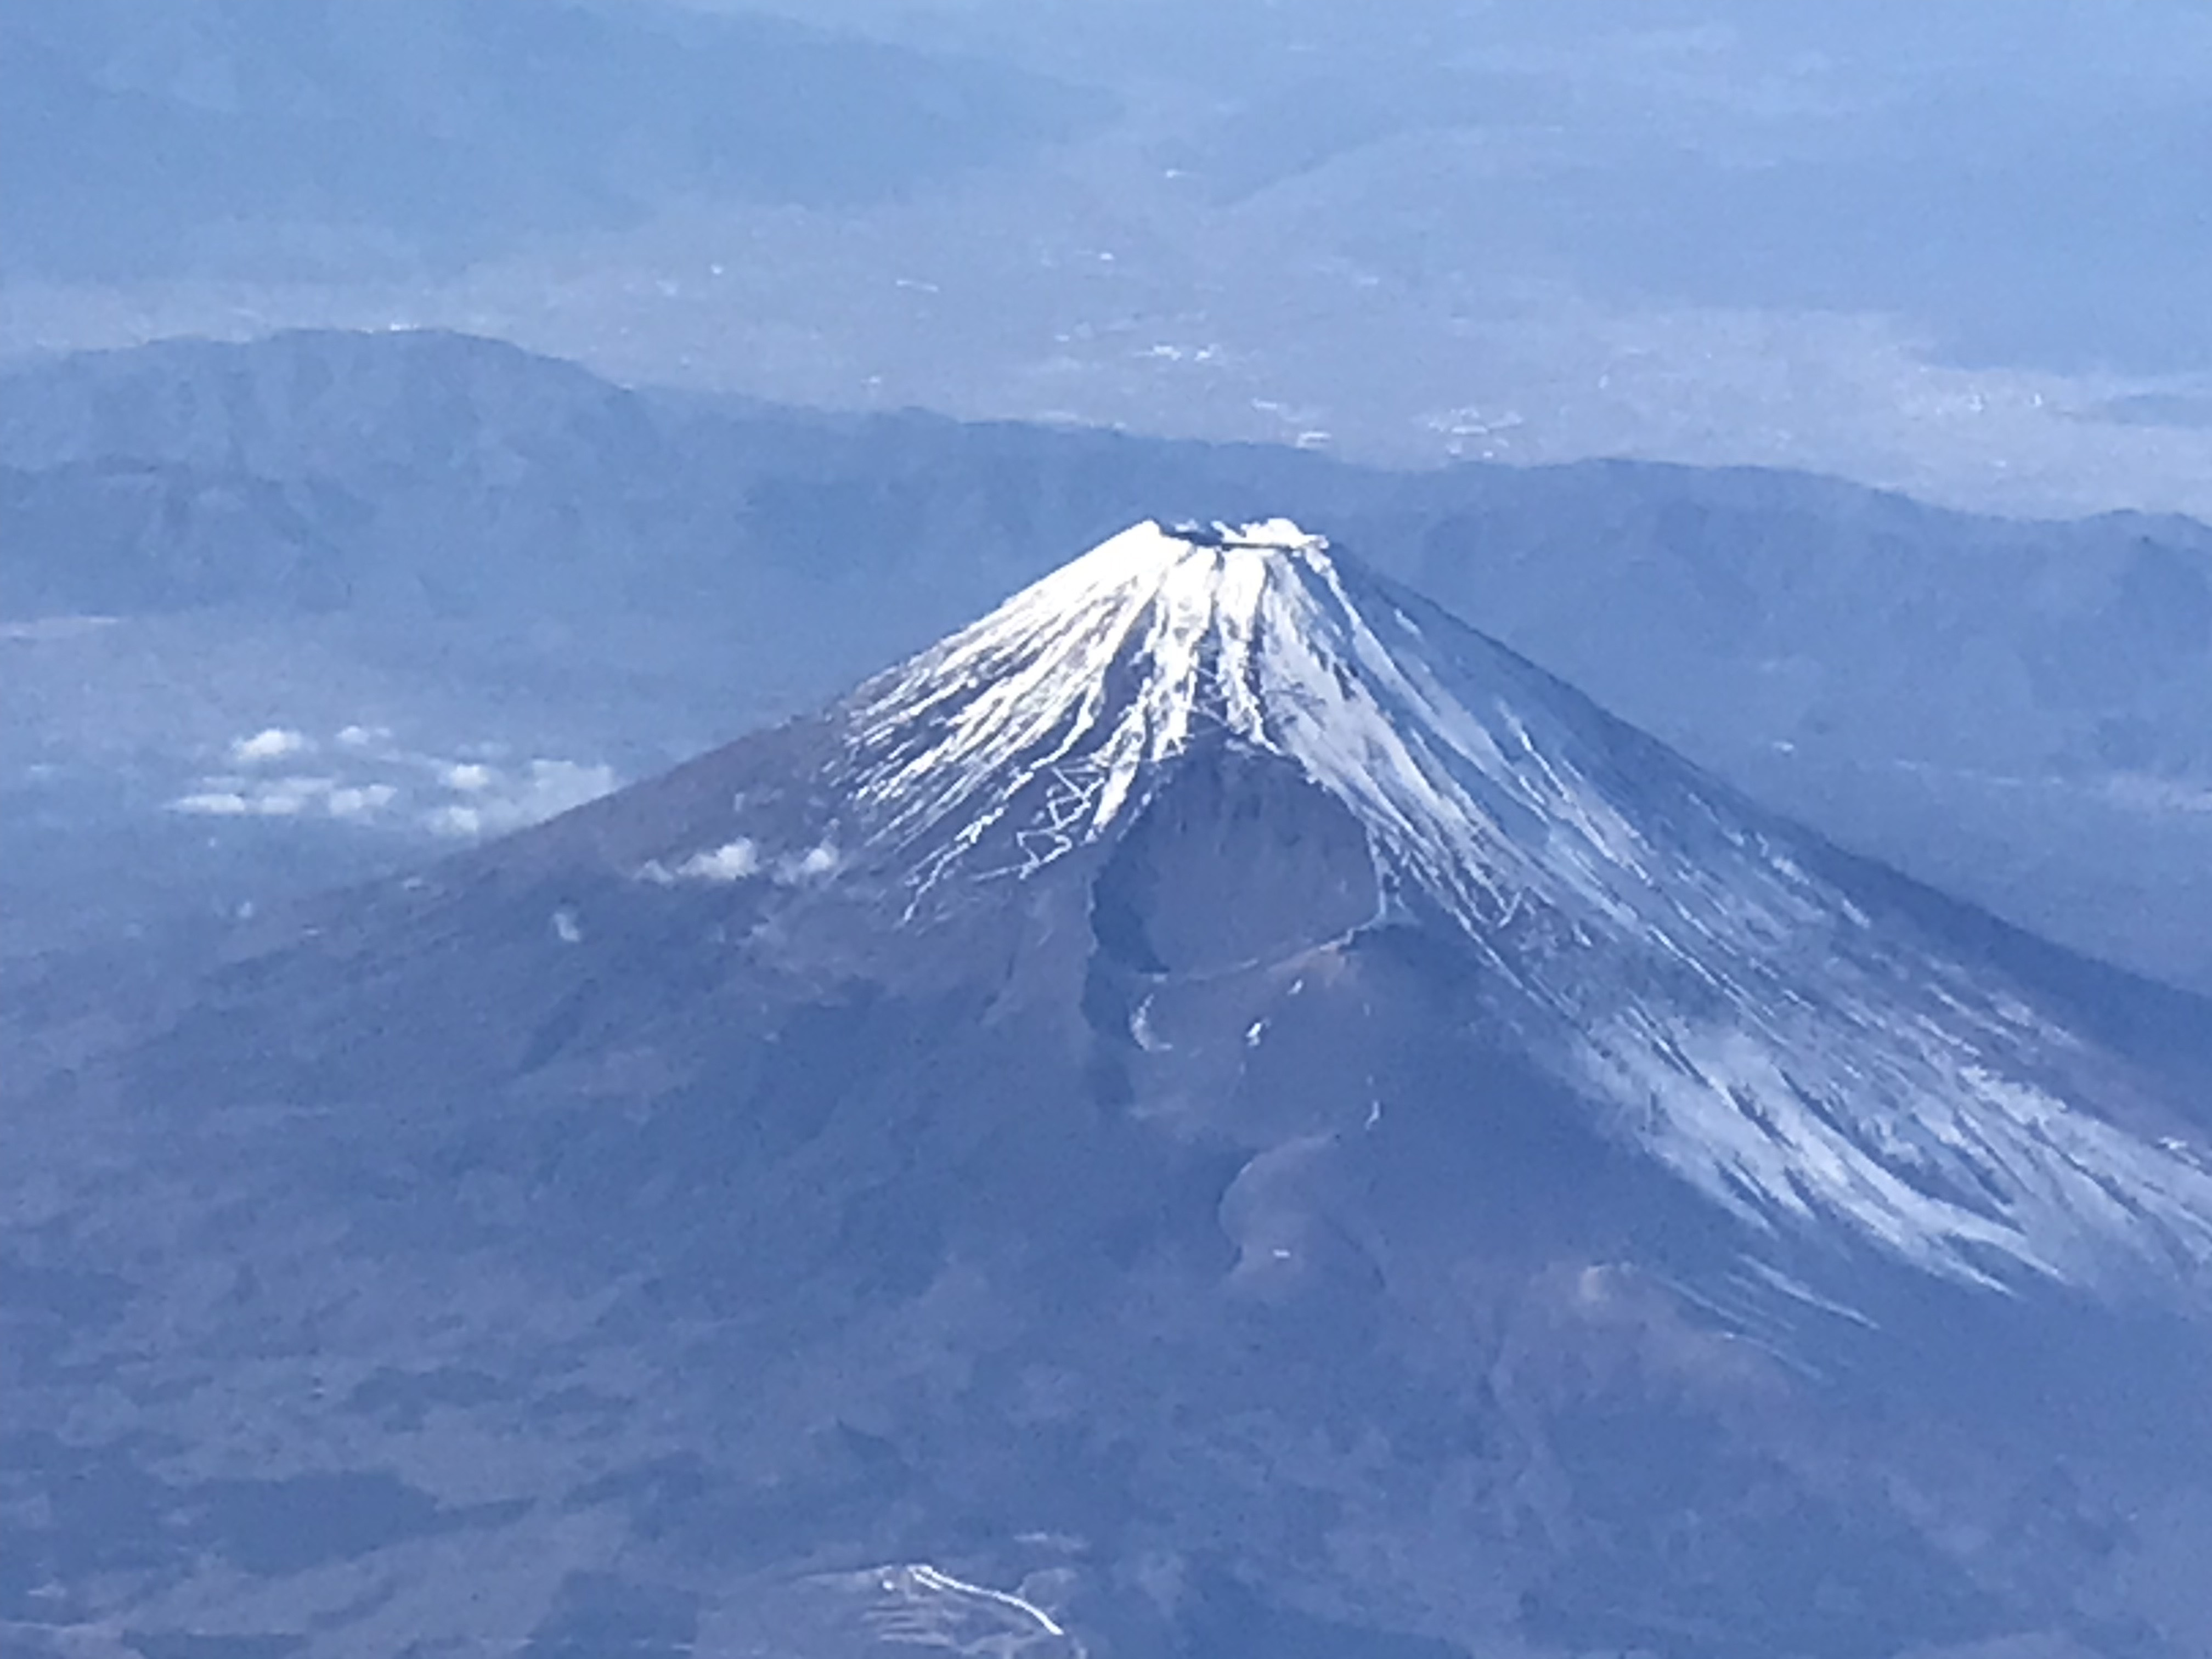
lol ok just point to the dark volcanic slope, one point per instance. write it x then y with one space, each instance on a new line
1215 1102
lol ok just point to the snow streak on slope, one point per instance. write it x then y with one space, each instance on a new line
1661 946
1050 718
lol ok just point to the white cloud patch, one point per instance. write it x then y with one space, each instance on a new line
742 859
813 865
494 800
370 779
213 804
289 797
258 797
273 742
731 861
360 801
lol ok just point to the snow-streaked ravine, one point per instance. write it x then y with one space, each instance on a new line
1666 948
920 1606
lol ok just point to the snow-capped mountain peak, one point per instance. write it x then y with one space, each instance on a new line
1664 948
1045 724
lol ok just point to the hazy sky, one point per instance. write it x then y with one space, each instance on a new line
1956 246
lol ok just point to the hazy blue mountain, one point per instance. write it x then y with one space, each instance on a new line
278 138
455 478
1216 1112
467 544
1951 254
129 537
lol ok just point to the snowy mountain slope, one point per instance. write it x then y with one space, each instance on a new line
1669 953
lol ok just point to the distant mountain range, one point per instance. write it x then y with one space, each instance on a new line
1215 1111
484 545
325 139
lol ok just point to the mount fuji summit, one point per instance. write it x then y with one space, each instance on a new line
1215 1111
